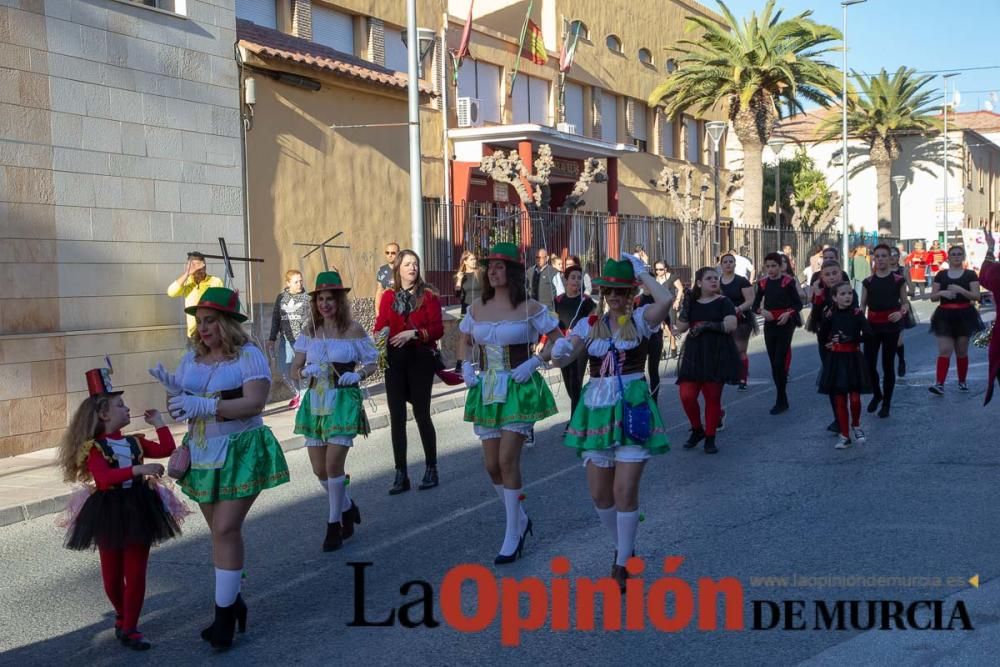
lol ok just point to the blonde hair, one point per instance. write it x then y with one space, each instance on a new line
602 330
461 264
85 425
234 337
290 273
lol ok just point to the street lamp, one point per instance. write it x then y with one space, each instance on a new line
944 78
776 144
413 57
900 183
844 231
425 42
716 129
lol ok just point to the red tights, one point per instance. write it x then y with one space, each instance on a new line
840 406
124 574
962 363
713 404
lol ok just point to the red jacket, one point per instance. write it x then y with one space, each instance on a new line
426 319
935 258
989 278
106 477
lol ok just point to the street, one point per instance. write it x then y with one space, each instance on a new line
916 501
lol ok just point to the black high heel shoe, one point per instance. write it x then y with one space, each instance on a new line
504 560
402 483
241 618
430 479
348 519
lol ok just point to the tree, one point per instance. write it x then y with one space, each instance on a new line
756 70
882 108
509 168
807 202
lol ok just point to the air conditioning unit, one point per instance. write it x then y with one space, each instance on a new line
469 112
568 128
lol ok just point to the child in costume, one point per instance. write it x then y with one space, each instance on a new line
124 515
335 354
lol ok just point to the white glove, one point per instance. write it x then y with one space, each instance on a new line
167 379
562 348
469 374
638 266
522 373
312 371
187 406
349 378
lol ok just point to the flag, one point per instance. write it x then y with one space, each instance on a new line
534 48
463 46
520 47
568 49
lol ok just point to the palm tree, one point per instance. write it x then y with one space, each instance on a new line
881 109
751 69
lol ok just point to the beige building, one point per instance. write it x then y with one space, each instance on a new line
120 151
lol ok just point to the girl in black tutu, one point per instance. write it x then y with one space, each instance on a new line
709 359
123 516
822 300
845 371
956 319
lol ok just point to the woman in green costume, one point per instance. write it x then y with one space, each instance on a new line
616 340
328 353
220 388
507 396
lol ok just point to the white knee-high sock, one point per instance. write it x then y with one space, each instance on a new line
227 586
324 483
628 524
523 521
335 495
609 519
513 511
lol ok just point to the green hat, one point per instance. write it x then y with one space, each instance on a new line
616 274
329 280
504 251
221 299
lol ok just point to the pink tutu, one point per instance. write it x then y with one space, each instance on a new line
172 503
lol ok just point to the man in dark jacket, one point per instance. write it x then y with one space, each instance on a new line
540 284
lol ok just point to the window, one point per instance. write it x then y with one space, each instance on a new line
395 50
666 131
692 140
174 6
332 28
637 124
531 100
584 30
481 80
614 44
261 12
646 57
573 102
609 118
671 65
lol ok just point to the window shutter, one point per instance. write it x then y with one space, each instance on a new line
261 12
333 29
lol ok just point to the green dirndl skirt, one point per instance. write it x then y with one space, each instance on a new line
254 462
347 419
526 403
602 428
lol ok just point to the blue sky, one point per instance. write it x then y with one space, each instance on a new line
917 33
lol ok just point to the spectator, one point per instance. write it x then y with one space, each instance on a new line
744 267
675 289
860 267
468 282
291 309
540 284
640 252
384 274
192 284
787 251
560 282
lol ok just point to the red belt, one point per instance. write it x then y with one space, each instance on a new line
778 312
881 316
845 347
955 306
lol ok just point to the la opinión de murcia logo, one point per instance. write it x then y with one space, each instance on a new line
667 604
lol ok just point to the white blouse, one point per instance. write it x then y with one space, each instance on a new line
603 391
509 332
336 350
201 378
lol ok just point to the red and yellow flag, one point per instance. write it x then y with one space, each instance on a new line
534 45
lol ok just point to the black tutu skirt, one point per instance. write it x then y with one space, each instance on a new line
956 322
844 373
120 517
746 326
709 357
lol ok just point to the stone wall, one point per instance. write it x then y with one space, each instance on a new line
120 151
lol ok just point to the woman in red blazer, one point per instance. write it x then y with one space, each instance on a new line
411 311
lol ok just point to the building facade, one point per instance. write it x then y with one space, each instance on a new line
120 151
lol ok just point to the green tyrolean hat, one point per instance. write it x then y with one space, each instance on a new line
329 280
616 274
504 251
221 299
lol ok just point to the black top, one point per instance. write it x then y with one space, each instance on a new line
713 311
470 290
883 293
572 309
822 303
899 271
384 276
777 293
290 314
849 324
965 280
819 274
734 290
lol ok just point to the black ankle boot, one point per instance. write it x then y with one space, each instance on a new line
134 640
241 618
224 627
430 479
333 539
710 447
401 484
348 519
697 435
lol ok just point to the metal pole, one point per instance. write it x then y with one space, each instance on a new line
413 89
945 161
844 244
777 198
446 150
718 221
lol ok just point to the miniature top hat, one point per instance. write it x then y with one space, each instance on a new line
616 274
221 299
329 280
503 251
99 383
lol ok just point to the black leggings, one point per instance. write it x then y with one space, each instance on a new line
653 363
408 379
887 341
778 341
573 380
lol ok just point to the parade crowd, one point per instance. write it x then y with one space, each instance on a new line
606 333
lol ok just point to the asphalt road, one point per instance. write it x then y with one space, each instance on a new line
918 500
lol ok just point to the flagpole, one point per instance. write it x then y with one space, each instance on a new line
520 48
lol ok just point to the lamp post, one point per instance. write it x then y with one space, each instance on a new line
414 56
843 103
776 144
900 183
944 78
716 129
